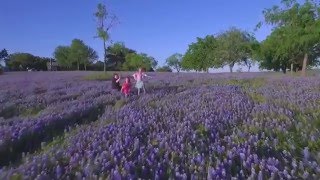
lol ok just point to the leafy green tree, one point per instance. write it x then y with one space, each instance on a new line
135 61
105 21
3 58
174 61
151 61
276 51
20 61
78 52
90 57
25 61
234 47
3 55
117 55
300 24
62 55
164 69
201 55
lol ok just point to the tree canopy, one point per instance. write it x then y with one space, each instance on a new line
298 25
117 55
25 61
105 21
135 61
3 55
77 54
234 46
164 69
200 55
174 61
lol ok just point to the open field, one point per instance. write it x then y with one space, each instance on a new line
68 125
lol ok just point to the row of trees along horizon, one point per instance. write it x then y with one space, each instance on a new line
294 44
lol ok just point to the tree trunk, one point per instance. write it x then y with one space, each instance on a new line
304 65
284 69
231 67
249 68
85 67
78 64
105 56
291 69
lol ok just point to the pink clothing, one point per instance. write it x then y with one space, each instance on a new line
138 76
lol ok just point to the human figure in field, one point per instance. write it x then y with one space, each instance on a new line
116 82
138 76
126 87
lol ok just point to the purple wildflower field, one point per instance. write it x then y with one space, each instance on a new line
60 125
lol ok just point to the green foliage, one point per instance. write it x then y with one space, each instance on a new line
248 83
3 55
105 21
117 55
174 61
235 46
78 53
32 111
25 61
200 55
103 76
296 34
119 104
135 61
164 69
61 54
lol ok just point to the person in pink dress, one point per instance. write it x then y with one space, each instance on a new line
138 77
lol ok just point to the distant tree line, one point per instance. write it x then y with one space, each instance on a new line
79 56
23 61
293 44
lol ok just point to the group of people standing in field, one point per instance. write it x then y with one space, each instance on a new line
125 88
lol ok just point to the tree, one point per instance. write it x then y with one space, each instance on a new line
276 51
135 61
3 59
91 57
105 21
62 55
3 55
234 47
174 61
117 55
200 55
25 61
164 69
300 24
78 54
153 62
20 61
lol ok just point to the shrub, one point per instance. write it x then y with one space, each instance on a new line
101 76
164 69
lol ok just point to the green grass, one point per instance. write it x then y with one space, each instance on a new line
99 76
31 112
248 83
119 104
256 97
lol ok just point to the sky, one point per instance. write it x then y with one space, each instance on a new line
159 28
